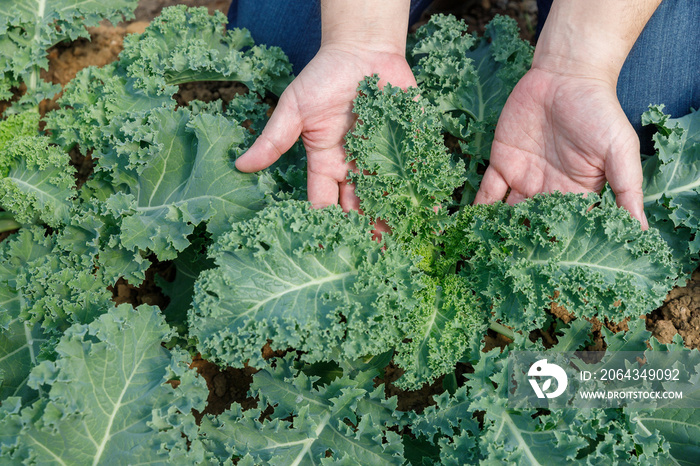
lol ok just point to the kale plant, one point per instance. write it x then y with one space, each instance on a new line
83 381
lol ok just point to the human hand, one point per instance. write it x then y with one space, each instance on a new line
564 133
562 127
318 106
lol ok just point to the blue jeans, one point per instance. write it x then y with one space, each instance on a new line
663 66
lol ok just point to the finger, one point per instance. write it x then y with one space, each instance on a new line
493 188
633 202
514 197
278 136
322 190
326 169
348 200
625 176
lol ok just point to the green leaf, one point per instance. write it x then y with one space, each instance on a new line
672 181
181 45
109 398
95 232
188 44
21 343
677 420
36 181
314 280
20 346
404 171
674 169
535 437
62 288
94 107
346 418
29 28
679 427
18 250
19 125
556 248
188 265
469 79
440 331
635 339
185 177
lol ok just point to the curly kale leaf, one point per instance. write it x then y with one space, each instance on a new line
16 126
29 28
44 289
188 44
20 350
469 79
449 426
95 232
36 180
593 261
441 330
61 288
183 175
182 45
347 421
111 398
314 280
96 104
188 265
21 342
404 171
671 419
18 250
672 181
476 424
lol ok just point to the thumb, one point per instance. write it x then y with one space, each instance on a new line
278 136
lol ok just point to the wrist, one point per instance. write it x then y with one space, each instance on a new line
365 25
591 38
580 49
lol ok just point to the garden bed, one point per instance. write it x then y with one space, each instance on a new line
680 313
420 375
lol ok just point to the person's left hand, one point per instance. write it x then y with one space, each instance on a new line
565 133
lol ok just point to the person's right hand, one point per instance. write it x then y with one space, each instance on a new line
318 106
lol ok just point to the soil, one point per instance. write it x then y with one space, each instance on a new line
679 314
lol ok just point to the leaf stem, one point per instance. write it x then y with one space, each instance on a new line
8 222
502 329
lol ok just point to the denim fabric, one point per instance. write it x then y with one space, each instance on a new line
293 25
663 66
